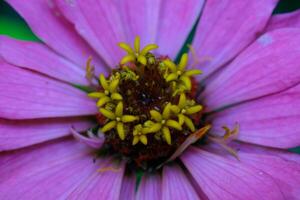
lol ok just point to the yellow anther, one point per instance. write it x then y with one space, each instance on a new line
117 120
110 92
184 108
135 54
229 134
179 75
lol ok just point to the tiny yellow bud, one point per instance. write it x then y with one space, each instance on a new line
109 126
108 114
120 130
156 115
167 135
183 62
119 109
174 124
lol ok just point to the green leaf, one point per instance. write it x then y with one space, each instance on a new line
13 25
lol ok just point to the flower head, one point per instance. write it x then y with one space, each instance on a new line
222 135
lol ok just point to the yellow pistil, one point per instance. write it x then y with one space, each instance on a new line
110 91
163 123
185 107
139 135
179 75
135 54
117 120
229 136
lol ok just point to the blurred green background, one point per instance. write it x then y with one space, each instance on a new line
13 25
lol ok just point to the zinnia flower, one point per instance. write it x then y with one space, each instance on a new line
223 134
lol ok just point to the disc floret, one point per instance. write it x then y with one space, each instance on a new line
117 120
139 135
110 92
135 54
163 122
183 109
179 76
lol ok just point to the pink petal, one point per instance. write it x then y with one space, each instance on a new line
226 28
141 18
270 121
52 171
26 95
291 20
18 134
102 185
277 163
149 188
223 178
49 25
268 66
285 173
128 188
38 57
95 142
99 23
176 186
177 18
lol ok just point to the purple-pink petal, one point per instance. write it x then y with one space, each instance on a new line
177 18
128 187
150 187
18 134
282 165
269 121
52 28
55 170
287 20
285 173
224 178
268 66
99 23
26 95
176 185
104 184
38 57
94 142
141 18
226 28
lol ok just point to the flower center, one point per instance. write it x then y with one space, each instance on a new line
147 106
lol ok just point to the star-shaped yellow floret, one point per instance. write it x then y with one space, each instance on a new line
163 123
117 120
179 75
135 54
185 107
139 135
110 91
